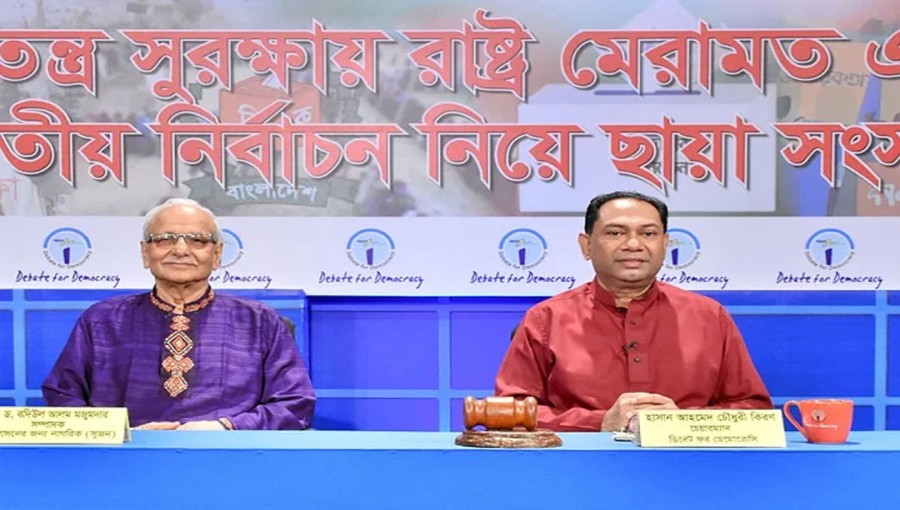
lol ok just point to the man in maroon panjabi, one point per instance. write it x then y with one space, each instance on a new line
596 354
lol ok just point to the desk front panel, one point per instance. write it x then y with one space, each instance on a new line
425 470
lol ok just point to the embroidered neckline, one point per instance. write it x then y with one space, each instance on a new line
179 344
199 304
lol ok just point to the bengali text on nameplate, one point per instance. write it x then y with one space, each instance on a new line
64 425
711 428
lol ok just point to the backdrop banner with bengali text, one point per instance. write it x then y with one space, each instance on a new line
450 148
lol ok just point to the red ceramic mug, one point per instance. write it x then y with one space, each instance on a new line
823 420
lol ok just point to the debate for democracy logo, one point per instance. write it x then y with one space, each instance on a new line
523 248
683 250
232 252
829 248
370 248
67 247
232 248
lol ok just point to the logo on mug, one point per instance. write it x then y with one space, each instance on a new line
232 248
523 248
67 247
829 248
818 415
683 249
370 248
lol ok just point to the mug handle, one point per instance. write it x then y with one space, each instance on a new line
790 417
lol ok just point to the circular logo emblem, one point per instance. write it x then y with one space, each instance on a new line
67 247
232 248
817 415
829 248
370 248
683 249
523 248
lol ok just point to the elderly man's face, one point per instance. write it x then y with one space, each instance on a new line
627 246
182 261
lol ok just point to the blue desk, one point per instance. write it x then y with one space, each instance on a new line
371 470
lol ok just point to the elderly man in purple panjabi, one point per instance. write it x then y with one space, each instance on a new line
182 356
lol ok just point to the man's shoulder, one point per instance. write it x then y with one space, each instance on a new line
564 298
241 309
235 302
111 304
683 297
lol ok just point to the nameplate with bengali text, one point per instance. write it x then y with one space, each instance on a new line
711 428
64 425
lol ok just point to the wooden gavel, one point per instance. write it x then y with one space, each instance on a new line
500 413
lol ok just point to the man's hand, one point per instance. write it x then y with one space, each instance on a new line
202 425
627 405
159 425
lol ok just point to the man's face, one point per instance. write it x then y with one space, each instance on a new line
182 261
627 245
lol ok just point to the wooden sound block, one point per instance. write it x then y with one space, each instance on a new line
538 438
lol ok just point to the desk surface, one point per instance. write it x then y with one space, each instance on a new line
318 469
433 441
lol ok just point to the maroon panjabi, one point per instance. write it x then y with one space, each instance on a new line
577 352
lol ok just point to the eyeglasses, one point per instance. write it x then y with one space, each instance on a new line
192 239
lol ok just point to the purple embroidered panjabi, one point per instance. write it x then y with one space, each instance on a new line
246 366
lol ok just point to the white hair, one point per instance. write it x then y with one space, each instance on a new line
151 215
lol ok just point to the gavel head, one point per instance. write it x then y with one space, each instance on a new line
500 413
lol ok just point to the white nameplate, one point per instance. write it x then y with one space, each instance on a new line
64 425
710 428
